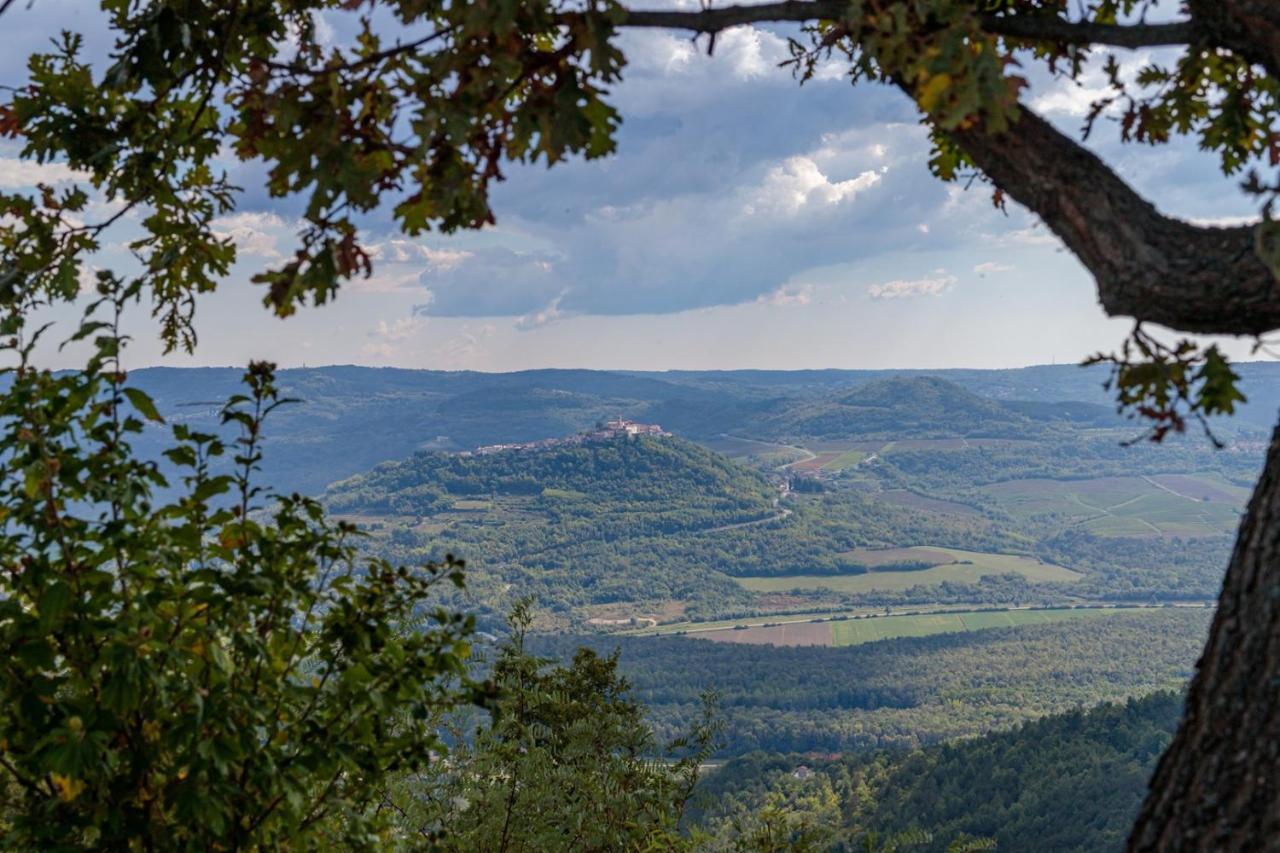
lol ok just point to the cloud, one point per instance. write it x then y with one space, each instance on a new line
494 282
396 251
18 174
788 296
990 267
850 196
460 349
398 330
545 317
910 289
1225 221
797 184
251 232
385 338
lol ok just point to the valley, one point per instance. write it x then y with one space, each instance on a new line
886 563
615 531
863 570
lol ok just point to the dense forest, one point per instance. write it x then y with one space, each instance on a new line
1071 781
906 692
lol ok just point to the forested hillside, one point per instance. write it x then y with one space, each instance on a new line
1073 781
907 692
601 522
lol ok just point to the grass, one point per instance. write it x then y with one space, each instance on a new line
888 557
845 460
1169 505
853 632
469 505
971 567
563 493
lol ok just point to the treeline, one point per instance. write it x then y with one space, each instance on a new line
906 692
1073 781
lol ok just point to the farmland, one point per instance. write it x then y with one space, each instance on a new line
968 567
1163 505
845 631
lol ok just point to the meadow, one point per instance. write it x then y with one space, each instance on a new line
844 631
968 567
1159 505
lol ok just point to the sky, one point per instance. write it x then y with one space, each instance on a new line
745 222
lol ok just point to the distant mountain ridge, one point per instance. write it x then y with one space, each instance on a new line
351 418
925 407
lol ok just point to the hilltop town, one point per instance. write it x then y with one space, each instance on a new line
603 431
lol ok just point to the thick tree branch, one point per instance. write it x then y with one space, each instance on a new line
1033 28
1147 265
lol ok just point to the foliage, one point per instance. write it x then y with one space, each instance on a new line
216 670
1067 782
901 693
567 763
1163 384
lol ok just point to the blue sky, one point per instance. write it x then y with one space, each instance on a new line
744 222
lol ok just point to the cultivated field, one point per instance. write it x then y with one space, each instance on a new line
878 557
969 567
868 629
1163 505
902 497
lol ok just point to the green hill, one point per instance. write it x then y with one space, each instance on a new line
1071 782
667 482
605 522
923 407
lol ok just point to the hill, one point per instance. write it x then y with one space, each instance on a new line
923 407
599 523
1068 782
665 484
352 418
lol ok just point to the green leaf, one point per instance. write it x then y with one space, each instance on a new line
143 403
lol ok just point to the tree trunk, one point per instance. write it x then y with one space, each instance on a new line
1218 785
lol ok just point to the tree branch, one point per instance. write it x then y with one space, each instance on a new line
1032 28
1147 266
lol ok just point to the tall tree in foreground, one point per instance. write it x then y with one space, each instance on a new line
567 762
427 109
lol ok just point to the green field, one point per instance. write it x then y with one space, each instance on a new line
1167 505
845 460
970 568
855 631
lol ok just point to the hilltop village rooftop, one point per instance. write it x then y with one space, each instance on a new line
604 431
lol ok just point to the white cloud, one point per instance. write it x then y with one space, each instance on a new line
251 232
470 342
798 183
909 289
407 251
990 267
788 296
21 174
398 330
545 317
1225 221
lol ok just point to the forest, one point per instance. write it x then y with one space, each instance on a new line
900 693
1071 781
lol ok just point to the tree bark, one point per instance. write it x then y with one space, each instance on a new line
1217 788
